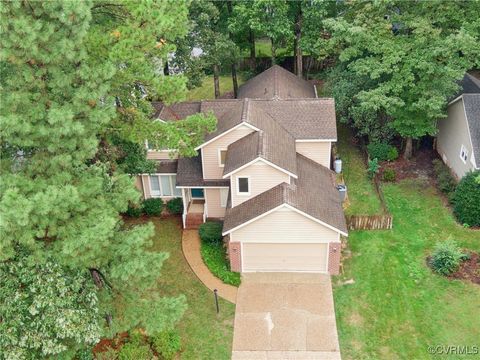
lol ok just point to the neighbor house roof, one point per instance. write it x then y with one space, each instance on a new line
276 83
471 103
176 111
470 84
313 193
189 174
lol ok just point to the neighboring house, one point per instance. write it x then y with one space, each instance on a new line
264 172
458 139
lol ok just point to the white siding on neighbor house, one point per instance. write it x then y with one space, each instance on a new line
262 176
452 134
211 168
317 151
285 226
213 201
160 155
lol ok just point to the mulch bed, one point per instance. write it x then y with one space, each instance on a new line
419 166
469 269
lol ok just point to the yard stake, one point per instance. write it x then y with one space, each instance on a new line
216 300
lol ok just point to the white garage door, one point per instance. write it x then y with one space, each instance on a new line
284 257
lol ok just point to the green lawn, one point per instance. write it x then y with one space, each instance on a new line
206 90
204 334
397 306
361 193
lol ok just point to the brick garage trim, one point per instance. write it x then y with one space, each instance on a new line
334 252
235 255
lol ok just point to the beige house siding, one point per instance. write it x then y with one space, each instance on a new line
160 155
262 178
285 226
317 151
146 186
138 184
452 134
214 206
211 168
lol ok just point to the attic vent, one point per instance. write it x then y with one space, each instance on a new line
265 91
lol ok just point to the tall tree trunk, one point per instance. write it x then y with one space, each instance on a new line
235 81
216 80
274 51
408 148
298 49
295 55
253 56
234 64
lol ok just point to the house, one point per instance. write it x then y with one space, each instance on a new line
458 139
265 172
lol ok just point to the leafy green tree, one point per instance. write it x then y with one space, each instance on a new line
45 309
414 51
268 18
73 75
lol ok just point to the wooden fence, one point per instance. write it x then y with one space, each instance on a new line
369 222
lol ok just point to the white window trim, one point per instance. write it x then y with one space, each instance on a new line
463 149
161 194
249 185
220 157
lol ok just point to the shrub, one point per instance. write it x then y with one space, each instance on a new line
373 168
210 232
382 151
175 206
445 180
134 210
215 258
110 354
153 207
133 351
389 175
167 344
466 199
446 257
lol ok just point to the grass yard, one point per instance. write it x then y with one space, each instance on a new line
204 334
361 192
207 91
397 307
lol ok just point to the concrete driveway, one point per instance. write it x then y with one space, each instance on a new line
285 316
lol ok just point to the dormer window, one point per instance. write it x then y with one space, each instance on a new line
243 185
222 154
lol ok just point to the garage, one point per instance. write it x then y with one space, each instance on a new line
284 257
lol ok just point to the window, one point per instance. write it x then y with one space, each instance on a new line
223 197
222 154
464 154
164 185
243 186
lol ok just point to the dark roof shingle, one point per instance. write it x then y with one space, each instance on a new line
189 173
313 193
472 111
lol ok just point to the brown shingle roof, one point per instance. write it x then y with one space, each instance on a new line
166 166
228 113
313 193
189 173
176 111
272 143
276 82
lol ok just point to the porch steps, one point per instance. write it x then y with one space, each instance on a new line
193 220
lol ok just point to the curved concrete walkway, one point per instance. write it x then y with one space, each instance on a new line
191 251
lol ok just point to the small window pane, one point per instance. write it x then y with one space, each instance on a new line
154 185
223 155
243 185
166 188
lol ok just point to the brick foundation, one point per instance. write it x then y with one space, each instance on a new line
235 255
334 252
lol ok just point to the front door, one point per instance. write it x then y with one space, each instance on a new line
198 194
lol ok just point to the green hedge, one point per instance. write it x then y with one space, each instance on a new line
215 257
211 232
153 207
382 151
175 206
466 199
445 180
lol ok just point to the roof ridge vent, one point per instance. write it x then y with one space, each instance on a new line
245 107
